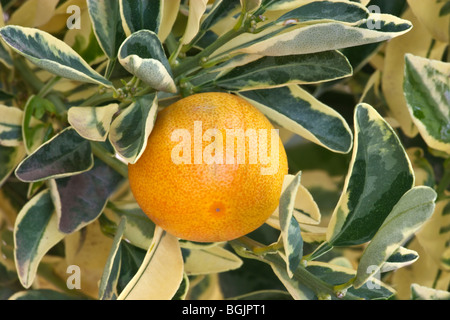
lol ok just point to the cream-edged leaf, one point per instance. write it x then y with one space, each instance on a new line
294 109
130 130
66 154
10 126
140 15
407 216
142 55
92 123
379 167
290 230
107 26
161 272
51 54
196 10
272 72
108 284
35 232
427 93
208 260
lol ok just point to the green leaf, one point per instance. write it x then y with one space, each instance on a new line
407 216
64 155
34 131
208 260
142 55
296 110
51 54
290 230
107 26
426 88
108 283
269 72
161 272
141 15
80 199
10 126
380 173
131 129
35 232
10 157
92 123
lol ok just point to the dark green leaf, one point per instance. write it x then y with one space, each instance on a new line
65 154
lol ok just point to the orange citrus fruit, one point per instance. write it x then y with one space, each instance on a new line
212 170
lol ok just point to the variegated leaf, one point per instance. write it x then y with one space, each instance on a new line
407 216
10 157
295 39
64 155
169 16
349 12
161 272
379 167
140 229
290 230
336 275
35 232
10 126
80 199
419 292
108 284
196 10
399 259
33 13
141 15
208 260
107 26
51 54
142 55
305 211
419 42
92 123
295 109
427 87
131 129
269 72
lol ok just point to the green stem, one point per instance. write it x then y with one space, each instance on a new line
301 274
103 154
48 87
195 62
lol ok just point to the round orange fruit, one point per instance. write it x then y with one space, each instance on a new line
212 170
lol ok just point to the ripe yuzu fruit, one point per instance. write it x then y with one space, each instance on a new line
207 202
